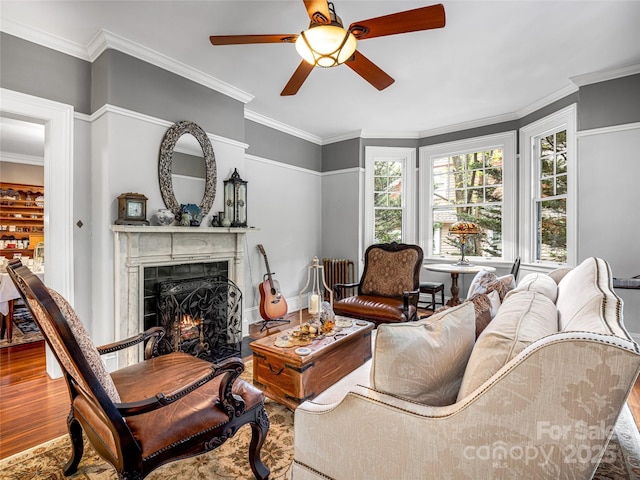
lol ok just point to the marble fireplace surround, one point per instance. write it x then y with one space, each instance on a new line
137 247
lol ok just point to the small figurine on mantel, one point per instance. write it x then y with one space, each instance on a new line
185 219
190 215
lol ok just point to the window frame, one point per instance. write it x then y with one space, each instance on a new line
565 119
407 156
507 142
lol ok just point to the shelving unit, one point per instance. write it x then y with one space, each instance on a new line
21 218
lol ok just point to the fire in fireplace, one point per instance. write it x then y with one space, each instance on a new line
201 316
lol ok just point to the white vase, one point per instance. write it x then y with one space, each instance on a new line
165 217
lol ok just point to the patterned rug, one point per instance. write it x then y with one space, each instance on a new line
622 458
230 461
24 328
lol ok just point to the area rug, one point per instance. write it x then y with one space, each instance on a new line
230 460
25 329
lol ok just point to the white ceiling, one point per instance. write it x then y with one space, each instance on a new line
494 60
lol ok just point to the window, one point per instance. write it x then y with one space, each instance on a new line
548 189
471 180
389 176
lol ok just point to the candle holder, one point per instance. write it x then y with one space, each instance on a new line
315 278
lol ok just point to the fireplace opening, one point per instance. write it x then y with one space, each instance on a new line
201 315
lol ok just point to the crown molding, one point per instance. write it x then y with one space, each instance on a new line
342 137
44 39
370 134
604 75
283 127
20 158
548 100
482 122
105 39
387 134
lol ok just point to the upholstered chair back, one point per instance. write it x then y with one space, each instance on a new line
391 269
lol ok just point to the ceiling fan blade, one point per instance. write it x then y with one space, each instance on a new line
297 79
369 71
318 11
245 39
424 18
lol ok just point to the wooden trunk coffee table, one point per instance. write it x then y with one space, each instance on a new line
290 378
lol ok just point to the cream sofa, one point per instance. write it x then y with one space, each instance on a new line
522 403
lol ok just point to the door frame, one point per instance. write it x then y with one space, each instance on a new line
58 184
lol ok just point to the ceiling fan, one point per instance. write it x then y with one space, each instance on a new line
326 43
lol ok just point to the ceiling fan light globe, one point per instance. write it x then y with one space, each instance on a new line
326 45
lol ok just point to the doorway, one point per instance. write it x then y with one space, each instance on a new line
57 119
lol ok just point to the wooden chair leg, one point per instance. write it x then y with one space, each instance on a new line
77 446
259 430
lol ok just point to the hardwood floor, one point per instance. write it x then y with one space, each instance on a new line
34 408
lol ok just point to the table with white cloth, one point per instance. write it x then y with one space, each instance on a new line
9 293
455 270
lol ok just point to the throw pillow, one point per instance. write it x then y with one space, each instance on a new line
523 318
486 306
424 361
389 274
487 282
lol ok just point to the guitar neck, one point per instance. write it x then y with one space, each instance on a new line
266 262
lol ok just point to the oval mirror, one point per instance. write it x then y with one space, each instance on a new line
181 170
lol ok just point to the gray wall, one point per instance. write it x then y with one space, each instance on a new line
43 72
269 143
341 155
615 102
124 81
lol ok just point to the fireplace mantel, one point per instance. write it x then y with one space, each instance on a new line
136 247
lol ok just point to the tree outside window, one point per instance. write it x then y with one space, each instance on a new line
388 201
468 187
551 197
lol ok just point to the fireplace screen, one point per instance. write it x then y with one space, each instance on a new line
201 316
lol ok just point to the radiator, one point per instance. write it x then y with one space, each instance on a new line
338 271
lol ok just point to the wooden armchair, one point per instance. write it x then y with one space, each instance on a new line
389 288
140 417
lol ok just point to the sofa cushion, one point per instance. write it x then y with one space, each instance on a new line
389 273
487 282
538 282
424 361
586 300
523 318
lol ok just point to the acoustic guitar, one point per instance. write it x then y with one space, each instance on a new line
273 306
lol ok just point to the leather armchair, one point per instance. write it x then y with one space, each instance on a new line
389 288
145 415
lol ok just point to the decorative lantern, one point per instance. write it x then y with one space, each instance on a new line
235 200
